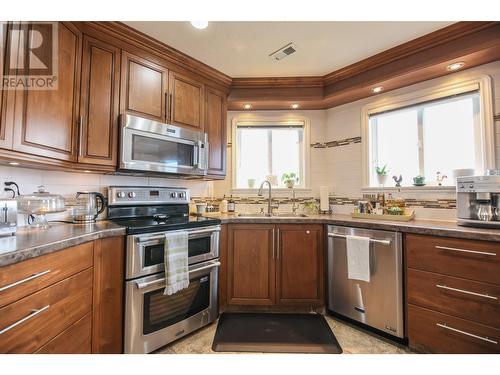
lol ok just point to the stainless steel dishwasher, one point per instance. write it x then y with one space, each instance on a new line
379 302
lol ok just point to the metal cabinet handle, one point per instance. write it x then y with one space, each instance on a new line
382 242
442 325
34 276
167 106
171 108
273 243
278 245
466 292
466 251
33 313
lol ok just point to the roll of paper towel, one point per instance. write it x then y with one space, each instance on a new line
324 202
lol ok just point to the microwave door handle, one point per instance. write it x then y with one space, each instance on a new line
196 154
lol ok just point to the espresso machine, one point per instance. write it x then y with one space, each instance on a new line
478 200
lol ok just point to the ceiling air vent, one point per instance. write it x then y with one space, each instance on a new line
283 52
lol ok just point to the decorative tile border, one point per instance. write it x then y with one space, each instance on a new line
334 200
340 142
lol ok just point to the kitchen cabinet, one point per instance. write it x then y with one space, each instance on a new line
187 102
144 88
99 106
452 294
274 265
216 128
69 301
250 264
46 121
299 259
6 96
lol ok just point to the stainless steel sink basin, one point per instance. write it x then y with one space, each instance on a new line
264 215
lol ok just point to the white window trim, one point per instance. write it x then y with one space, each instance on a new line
262 120
442 89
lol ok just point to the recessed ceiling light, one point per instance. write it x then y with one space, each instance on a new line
200 24
377 89
295 106
247 106
456 66
87 171
13 163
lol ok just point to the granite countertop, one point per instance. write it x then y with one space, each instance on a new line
29 243
429 227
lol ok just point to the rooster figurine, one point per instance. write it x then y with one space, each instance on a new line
397 180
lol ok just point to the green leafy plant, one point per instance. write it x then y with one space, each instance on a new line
310 206
289 178
382 171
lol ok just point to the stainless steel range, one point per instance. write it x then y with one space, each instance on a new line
152 319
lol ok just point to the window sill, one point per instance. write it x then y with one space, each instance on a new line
282 191
426 188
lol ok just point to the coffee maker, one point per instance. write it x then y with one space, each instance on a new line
478 200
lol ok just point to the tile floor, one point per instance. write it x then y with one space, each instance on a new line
352 341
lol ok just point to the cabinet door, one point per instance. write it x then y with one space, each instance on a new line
46 121
187 100
299 262
250 264
99 103
144 88
10 42
215 126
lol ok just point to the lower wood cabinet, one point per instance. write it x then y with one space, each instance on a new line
452 294
74 304
273 265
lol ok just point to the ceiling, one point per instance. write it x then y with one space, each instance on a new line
241 49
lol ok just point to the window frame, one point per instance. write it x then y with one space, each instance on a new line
262 121
444 88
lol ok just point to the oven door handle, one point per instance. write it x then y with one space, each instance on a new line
200 231
142 285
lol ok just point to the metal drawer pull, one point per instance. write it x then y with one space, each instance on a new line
162 280
273 243
466 251
466 333
383 242
34 276
466 292
33 313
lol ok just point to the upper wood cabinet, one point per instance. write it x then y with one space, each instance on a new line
144 88
215 127
6 96
299 270
46 121
187 102
250 264
99 106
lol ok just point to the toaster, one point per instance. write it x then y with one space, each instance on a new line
8 217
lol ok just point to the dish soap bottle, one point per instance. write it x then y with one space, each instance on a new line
223 205
230 205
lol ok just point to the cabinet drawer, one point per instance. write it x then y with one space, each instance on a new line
21 279
458 297
476 260
29 323
433 332
74 340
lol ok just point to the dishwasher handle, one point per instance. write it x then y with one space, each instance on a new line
382 242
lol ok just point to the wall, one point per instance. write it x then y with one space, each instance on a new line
67 184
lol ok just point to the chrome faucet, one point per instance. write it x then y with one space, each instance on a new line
270 198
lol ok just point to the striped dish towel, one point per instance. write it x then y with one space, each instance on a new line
176 262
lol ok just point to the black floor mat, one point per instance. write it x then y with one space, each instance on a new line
274 333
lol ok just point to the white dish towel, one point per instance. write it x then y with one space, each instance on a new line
358 258
176 262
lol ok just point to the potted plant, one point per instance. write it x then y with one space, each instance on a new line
289 179
382 174
310 207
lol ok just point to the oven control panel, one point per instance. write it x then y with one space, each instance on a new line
127 195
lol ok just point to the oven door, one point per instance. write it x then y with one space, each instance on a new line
145 252
152 319
155 147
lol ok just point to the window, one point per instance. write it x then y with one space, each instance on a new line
428 132
267 151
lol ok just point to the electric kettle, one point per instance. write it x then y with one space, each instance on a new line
88 206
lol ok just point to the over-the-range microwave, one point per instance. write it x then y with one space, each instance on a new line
150 147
